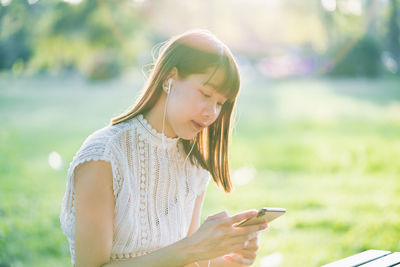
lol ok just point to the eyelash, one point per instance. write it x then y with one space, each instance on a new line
208 96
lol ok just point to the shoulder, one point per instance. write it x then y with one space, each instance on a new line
102 138
107 134
98 157
97 145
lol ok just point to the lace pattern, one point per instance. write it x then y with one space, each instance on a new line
154 193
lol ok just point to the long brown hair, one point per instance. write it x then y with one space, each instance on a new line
195 52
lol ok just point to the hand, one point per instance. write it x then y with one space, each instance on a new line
247 255
218 236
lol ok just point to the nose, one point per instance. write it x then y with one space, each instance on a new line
211 110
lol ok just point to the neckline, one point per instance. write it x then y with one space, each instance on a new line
153 132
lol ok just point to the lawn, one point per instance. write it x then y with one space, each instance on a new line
326 150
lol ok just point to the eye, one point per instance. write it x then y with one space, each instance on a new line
205 95
220 104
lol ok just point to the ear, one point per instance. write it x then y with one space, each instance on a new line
172 74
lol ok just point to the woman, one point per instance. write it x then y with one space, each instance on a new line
136 187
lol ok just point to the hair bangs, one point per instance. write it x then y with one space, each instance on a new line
231 82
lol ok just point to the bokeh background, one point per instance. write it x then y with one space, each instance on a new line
317 128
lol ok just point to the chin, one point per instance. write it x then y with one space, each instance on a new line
187 135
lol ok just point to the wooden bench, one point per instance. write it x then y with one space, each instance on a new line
369 258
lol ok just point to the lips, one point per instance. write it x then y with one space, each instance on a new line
198 126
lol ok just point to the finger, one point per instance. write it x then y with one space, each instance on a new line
242 216
247 230
240 244
238 259
253 245
247 254
221 214
258 223
254 235
236 240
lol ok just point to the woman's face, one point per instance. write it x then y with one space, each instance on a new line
194 105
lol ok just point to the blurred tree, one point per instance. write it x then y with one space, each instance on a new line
362 59
74 35
394 32
15 40
54 36
354 42
371 10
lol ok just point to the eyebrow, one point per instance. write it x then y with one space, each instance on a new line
215 87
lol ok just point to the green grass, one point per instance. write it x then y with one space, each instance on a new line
327 150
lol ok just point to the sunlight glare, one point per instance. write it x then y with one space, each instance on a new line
244 175
5 2
73 2
351 7
272 260
55 160
329 5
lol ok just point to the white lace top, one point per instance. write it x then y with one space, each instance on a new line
154 193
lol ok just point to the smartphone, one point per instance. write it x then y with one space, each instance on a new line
267 214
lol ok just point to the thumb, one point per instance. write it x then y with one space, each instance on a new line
222 214
242 216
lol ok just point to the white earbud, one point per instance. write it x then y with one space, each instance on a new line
169 85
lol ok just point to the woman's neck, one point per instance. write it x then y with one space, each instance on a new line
155 118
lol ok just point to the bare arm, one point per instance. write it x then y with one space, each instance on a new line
94 211
195 223
94 216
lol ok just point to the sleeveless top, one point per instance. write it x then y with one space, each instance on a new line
154 191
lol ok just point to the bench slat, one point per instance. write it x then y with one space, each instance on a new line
388 260
358 259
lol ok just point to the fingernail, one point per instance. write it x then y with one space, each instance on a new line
246 261
228 258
